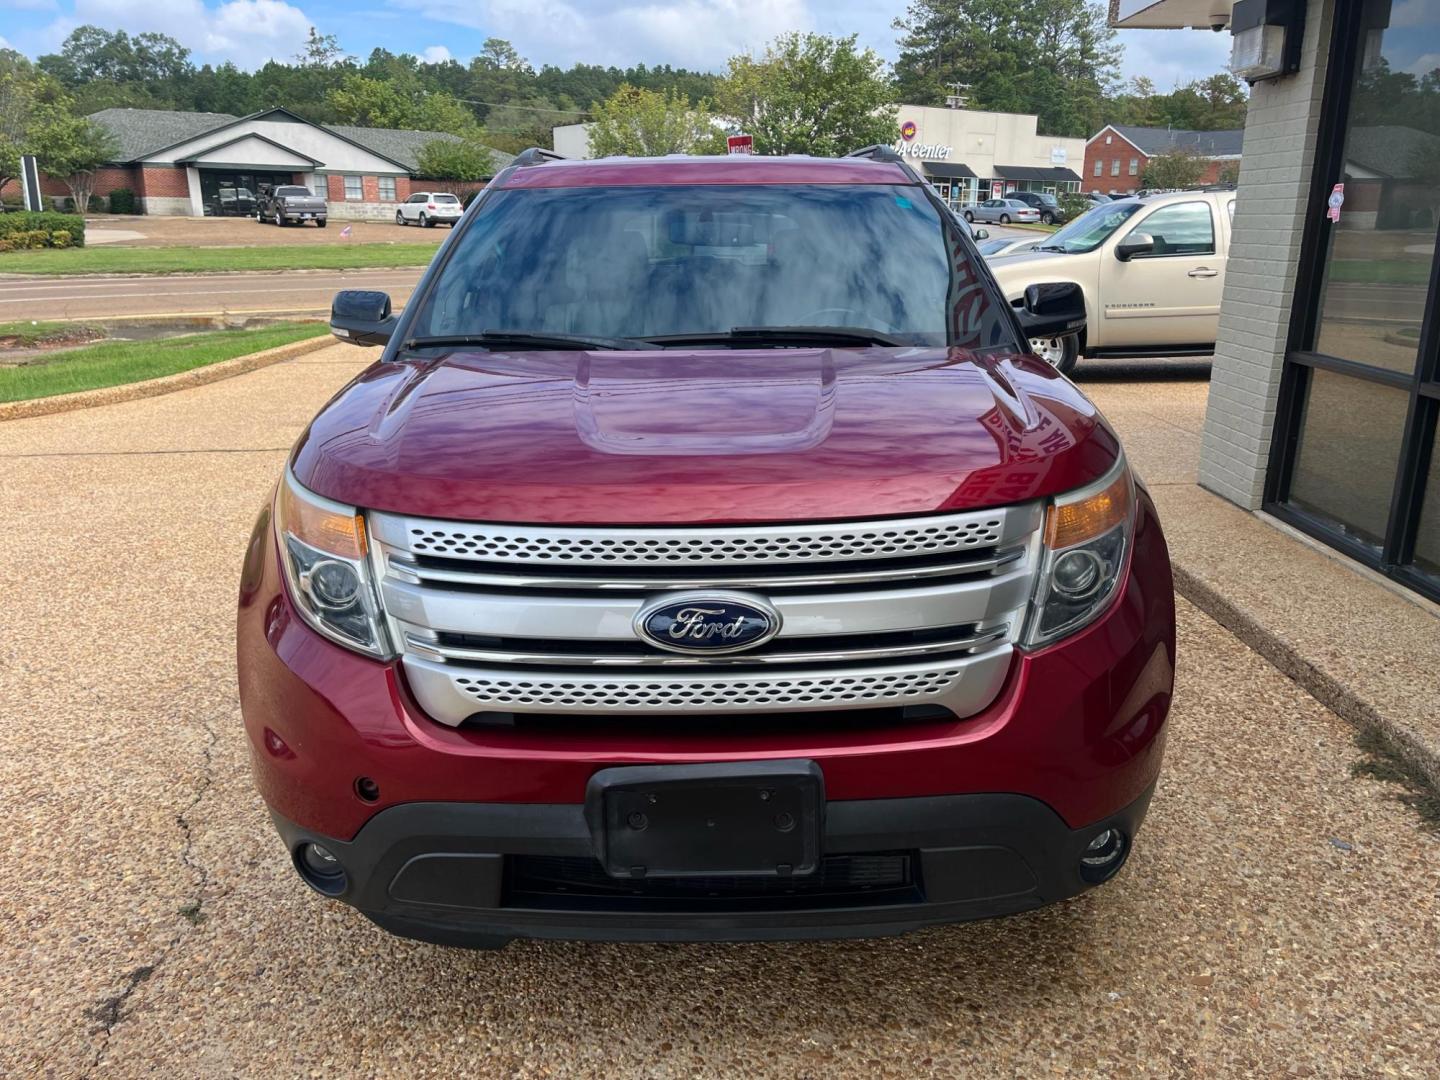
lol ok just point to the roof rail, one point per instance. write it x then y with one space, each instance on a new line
877 152
537 154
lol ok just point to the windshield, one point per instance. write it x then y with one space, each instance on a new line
651 262
1090 229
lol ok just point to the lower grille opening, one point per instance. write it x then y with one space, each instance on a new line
695 723
570 883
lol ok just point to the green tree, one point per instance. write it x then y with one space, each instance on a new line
320 51
1174 169
1055 58
810 94
1228 173
648 123
447 159
71 147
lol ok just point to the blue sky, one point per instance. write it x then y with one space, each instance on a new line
691 33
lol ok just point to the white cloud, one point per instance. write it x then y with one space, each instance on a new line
4 44
690 33
1171 58
436 54
249 32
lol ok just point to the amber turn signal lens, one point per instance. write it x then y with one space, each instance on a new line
338 531
1073 523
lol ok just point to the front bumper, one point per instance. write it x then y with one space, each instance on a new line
452 873
344 756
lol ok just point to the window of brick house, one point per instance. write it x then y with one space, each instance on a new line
1115 167
354 189
1099 168
1134 166
387 188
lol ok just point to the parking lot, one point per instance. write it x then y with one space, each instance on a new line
1280 915
159 231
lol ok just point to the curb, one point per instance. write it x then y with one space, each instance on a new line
166 384
1324 688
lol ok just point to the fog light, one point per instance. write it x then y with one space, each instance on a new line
321 869
1103 855
1077 573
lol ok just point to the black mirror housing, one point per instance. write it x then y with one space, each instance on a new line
362 317
1052 309
980 234
1137 243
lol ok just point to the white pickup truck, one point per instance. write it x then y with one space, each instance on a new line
1152 269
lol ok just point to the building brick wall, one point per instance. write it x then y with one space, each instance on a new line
1280 135
1118 150
164 181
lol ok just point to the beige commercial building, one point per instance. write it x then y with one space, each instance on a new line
968 155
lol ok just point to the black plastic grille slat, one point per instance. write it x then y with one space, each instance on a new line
558 647
573 882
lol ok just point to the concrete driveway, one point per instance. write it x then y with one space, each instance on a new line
1279 917
96 296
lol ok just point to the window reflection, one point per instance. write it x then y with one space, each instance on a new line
1378 266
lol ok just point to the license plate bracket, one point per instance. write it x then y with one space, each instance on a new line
762 819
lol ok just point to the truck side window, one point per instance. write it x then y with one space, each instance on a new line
1182 229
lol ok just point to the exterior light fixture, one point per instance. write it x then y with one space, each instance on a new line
1266 38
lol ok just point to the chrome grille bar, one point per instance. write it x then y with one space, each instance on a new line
432 650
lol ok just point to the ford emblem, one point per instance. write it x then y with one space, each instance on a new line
708 623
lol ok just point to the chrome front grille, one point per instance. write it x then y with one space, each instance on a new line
496 619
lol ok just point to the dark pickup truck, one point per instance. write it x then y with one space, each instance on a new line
290 204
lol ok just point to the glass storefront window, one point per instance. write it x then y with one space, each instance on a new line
1377 270
1427 540
1350 437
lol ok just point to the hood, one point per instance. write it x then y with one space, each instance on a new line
1016 258
702 436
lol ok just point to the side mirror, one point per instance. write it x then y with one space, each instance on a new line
1053 309
362 317
980 234
1137 243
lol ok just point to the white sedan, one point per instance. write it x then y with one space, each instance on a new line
428 208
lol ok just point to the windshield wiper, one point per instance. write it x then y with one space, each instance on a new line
498 339
787 335
1050 247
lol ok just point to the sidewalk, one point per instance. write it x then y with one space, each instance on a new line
1364 650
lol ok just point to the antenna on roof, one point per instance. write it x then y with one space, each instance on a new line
957 98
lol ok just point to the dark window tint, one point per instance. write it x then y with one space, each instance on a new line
657 261
1350 437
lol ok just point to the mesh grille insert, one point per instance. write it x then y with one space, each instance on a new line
615 547
647 695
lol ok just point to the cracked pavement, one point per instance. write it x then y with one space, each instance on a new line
1279 915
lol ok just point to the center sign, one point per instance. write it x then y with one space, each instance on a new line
907 147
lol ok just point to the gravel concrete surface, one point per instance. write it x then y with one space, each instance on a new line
1279 917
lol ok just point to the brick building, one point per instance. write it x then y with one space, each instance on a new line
1116 156
193 164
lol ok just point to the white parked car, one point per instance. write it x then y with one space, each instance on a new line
429 208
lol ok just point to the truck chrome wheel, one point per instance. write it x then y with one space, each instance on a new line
1059 352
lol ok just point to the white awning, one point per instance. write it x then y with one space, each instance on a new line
1169 14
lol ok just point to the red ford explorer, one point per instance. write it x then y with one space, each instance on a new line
706 557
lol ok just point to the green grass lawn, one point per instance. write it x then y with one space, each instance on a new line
180 260
27 334
1376 272
117 362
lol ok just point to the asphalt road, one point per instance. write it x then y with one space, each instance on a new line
1279 917
304 291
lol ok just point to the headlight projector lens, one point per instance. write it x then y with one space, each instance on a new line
334 585
1077 574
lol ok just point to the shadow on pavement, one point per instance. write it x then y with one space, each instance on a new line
1174 369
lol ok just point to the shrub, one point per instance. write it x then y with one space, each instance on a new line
44 224
122 201
60 238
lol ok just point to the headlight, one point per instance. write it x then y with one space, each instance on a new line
323 548
1087 538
